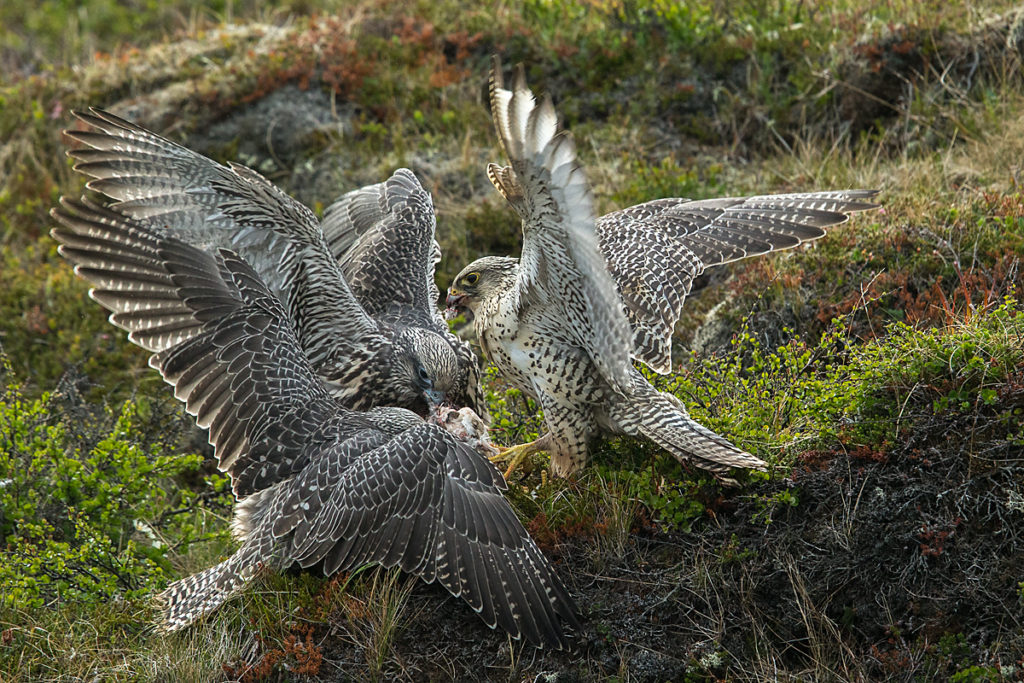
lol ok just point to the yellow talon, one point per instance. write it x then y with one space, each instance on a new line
515 455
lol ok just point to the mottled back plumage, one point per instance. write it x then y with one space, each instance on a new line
318 484
588 294
366 359
383 236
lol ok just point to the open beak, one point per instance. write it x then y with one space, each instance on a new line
454 299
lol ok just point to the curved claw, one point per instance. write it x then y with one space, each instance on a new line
515 455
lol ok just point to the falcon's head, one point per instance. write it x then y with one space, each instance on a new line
428 369
480 284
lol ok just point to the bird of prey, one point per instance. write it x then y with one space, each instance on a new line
388 345
588 294
317 484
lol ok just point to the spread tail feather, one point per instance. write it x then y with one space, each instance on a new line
193 597
666 422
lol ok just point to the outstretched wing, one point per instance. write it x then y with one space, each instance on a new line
561 263
383 236
121 259
656 249
429 504
216 332
422 500
210 205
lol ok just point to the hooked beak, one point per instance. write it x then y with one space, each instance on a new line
435 398
454 299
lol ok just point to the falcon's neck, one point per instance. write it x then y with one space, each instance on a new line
496 320
501 310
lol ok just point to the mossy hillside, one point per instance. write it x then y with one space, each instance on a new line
875 370
405 89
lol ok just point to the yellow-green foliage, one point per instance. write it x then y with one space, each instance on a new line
667 178
800 396
81 501
803 398
515 417
806 396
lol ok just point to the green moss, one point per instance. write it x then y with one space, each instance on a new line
667 178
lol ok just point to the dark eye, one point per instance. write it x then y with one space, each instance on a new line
423 374
471 279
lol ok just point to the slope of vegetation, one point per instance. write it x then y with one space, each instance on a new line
880 371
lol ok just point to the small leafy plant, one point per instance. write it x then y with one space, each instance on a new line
84 508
